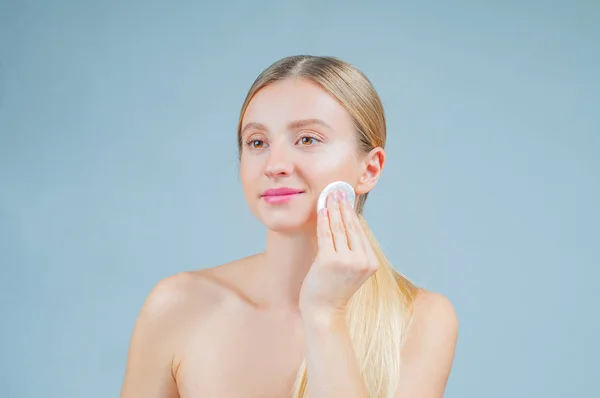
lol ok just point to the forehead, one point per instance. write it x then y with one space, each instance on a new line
295 99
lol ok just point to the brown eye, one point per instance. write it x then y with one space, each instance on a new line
256 144
307 140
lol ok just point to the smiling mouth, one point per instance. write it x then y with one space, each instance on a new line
281 197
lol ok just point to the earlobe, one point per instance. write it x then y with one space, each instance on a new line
366 183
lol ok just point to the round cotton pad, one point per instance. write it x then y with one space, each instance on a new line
336 186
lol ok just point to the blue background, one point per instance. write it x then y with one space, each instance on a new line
118 168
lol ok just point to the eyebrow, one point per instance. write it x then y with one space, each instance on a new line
292 125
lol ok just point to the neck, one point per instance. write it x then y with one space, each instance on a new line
285 263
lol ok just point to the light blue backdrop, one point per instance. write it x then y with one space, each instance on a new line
118 168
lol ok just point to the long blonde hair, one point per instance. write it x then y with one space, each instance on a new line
379 312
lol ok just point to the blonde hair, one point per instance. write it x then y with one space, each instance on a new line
379 312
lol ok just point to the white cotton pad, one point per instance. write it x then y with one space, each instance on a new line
336 186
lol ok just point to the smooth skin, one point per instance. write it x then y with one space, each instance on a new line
242 329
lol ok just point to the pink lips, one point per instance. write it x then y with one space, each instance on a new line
280 195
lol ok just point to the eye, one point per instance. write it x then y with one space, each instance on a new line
307 140
255 143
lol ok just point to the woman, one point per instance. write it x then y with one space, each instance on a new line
321 312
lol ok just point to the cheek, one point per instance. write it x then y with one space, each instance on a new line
336 164
248 172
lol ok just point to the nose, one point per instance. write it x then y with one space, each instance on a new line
279 161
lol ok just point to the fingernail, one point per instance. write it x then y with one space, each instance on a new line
329 200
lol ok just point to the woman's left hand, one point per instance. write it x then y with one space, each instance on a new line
344 261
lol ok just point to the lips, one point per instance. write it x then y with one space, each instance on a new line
281 192
277 196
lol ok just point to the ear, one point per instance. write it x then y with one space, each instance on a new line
371 169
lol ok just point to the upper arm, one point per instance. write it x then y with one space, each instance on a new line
428 351
148 372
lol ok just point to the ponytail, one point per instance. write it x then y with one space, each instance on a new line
377 317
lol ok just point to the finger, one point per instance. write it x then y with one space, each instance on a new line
352 226
324 236
367 246
336 224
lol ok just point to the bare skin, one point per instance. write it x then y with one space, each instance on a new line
250 349
212 337
238 329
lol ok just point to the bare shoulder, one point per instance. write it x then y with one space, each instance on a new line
173 296
434 323
173 309
435 310
429 346
174 312
199 291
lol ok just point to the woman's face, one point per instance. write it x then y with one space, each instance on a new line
296 139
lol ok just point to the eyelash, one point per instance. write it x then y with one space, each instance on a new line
312 137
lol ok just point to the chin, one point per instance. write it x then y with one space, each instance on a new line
286 222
